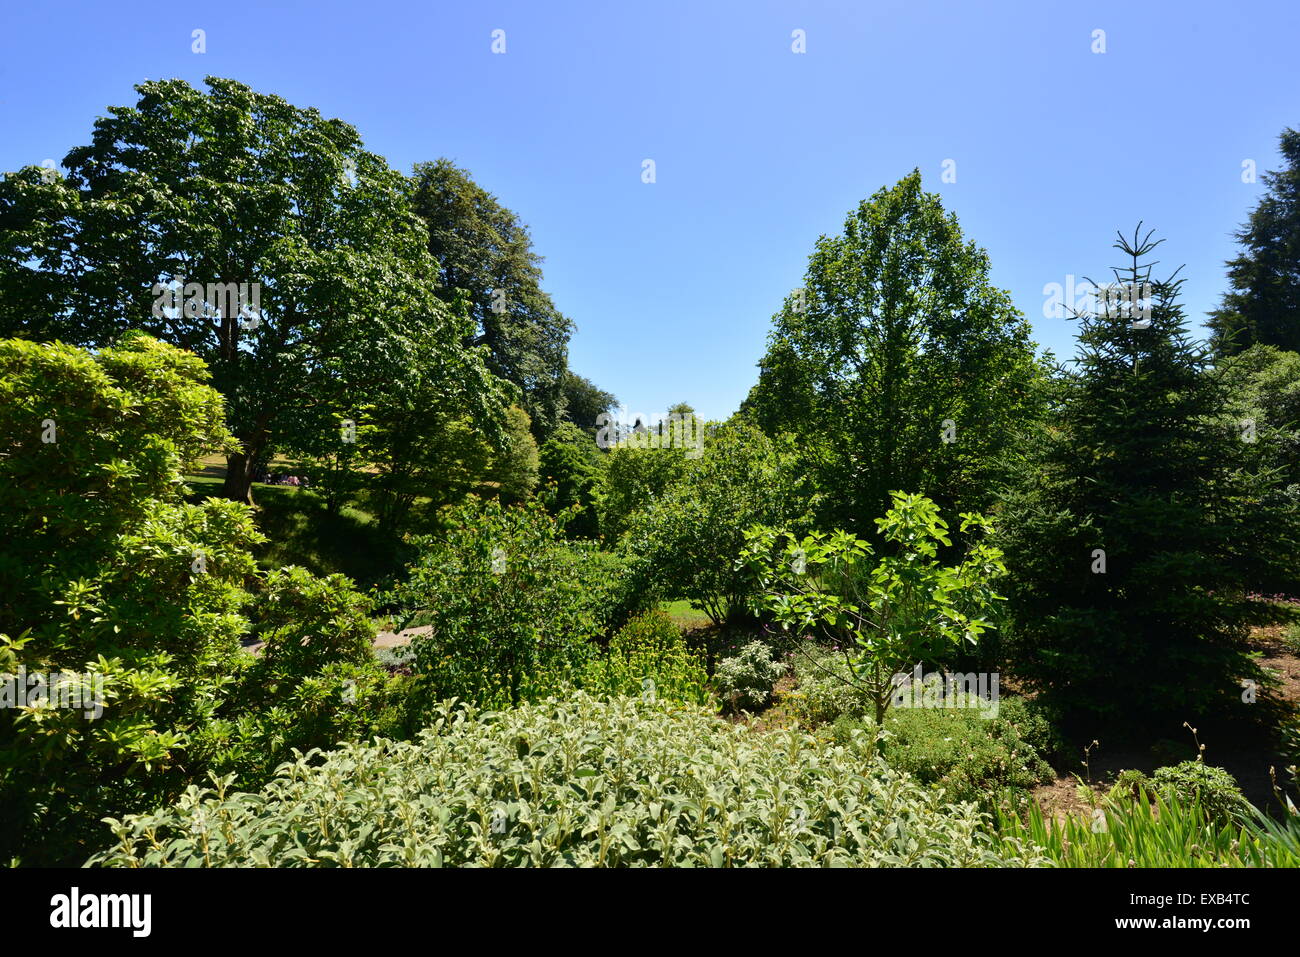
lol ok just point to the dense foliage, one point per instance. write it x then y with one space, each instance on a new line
108 575
511 605
692 531
194 190
1142 522
648 657
898 365
904 609
1263 306
579 782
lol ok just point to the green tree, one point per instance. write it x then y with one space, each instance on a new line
571 473
1140 523
484 253
514 470
634 479
512 605
241 197
584 401
905 609
1264 386
690 535
898 365
1264 304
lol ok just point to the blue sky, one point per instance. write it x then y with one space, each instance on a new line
758 150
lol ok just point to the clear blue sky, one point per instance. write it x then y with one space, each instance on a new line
758 149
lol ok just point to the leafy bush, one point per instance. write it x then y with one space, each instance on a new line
746 681
105 571
888 613
634 479
824 690
510 603
578 782
972 758
315 683
571 472
648 657
692 533
108 575
309 622
341 702
1213 789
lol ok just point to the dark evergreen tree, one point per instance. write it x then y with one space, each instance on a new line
1141 521
1264 304
584 401
486 261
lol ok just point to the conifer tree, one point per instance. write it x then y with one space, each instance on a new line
1142 521
1264 304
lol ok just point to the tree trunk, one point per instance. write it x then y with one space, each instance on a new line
240 465
239 478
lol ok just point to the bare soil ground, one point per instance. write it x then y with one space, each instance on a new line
1247 755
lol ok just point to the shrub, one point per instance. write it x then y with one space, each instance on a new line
693 532
509 601
1291 638
578 782
105 571
309 622
889 613
1213 789
972 758
107 574
824 691
746 681
341 702
316 682
648 657
571 474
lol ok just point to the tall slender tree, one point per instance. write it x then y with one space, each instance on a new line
898 365
1142 521
485 255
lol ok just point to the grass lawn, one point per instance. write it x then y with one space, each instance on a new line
681 612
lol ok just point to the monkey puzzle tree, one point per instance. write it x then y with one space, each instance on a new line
233 189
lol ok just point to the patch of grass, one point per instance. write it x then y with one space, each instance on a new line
681 612
302 531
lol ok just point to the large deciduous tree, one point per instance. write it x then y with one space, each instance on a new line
898 364
485 256
304 275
